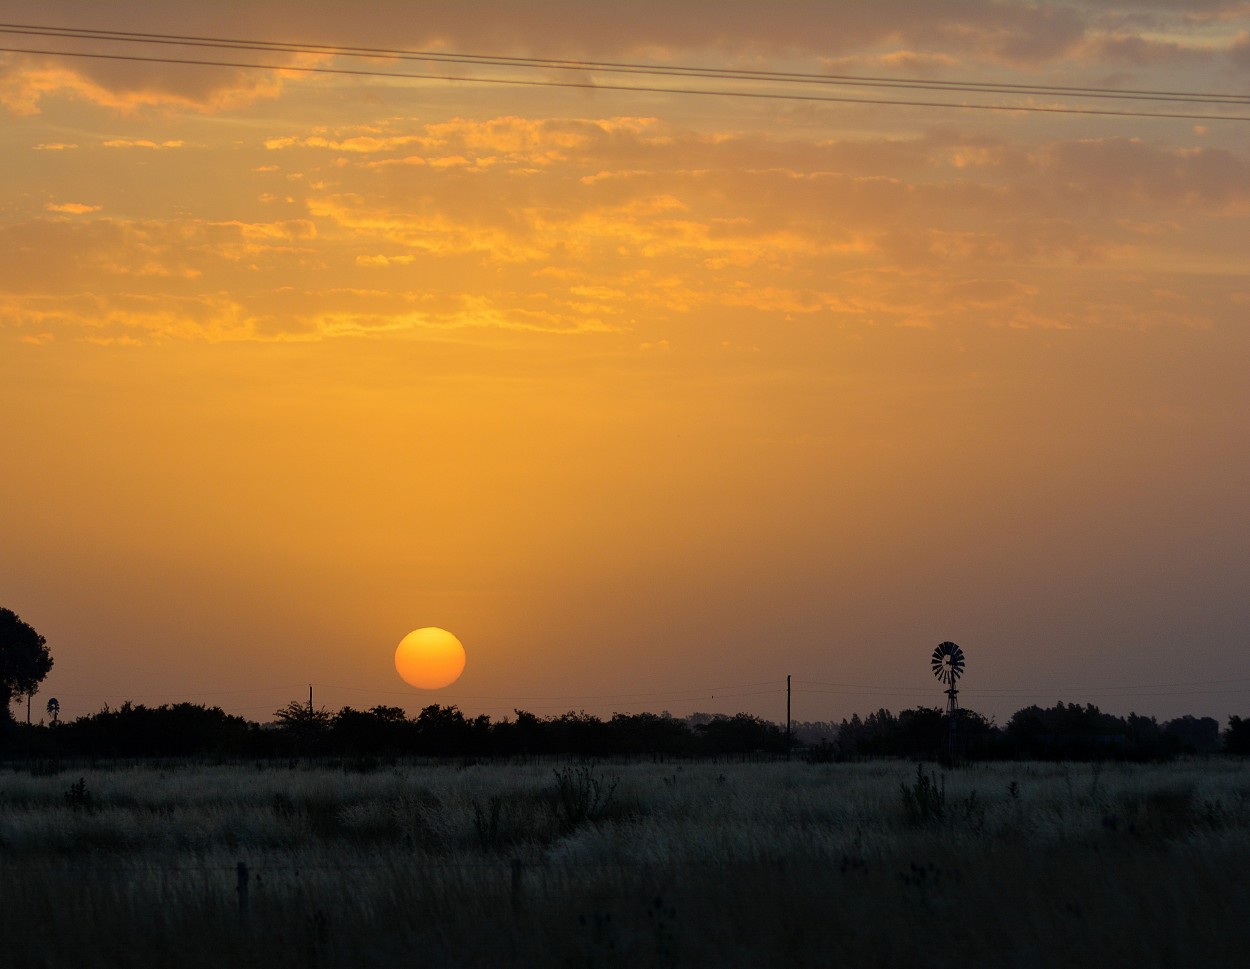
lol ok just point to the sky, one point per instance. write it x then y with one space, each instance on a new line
653 398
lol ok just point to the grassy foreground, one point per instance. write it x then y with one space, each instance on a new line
874 864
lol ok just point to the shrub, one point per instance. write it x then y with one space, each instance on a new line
581 795
79 798
924 802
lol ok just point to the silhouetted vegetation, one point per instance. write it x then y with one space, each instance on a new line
135 730
917 733
1237 737
24 662
366 738
1072 732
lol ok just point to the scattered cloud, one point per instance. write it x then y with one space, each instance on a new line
28 80
142 143
357 144
1239 51
72 208
381 261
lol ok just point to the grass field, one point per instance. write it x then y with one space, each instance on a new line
767 864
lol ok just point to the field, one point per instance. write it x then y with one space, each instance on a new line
602 865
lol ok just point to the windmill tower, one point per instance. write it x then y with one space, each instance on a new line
948 667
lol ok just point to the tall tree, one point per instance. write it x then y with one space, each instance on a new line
24 660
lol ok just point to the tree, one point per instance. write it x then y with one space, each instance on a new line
742 734
304 725
24 660
1194 735
1237 736
381 731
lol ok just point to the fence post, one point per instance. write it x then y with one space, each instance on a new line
243 877
516 884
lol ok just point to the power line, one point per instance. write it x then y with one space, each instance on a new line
176 693
650 698
642 89
995 87
1211 99
639 697
693 693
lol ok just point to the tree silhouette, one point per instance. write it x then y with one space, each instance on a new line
307 728
380 731
24 660
54 710
1237 736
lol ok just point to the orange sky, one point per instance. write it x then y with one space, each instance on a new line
648 397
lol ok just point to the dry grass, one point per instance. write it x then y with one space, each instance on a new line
701 865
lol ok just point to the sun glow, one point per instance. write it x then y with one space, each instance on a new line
430 658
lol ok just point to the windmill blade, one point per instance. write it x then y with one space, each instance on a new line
948 662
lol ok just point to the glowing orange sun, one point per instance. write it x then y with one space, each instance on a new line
430 658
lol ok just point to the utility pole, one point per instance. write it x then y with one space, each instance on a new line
310 707
788 716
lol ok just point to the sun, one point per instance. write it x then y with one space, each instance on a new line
430 658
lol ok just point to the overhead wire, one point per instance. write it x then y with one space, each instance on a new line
775 686
998 87
624 68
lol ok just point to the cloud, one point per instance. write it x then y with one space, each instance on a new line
382 261
1239 51
26 82
104 255
72 208
565 28
1130 169
1142 52
904 36
356 144
128 319
142 143
916 62
630 222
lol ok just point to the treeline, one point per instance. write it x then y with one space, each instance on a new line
1063 732
186 729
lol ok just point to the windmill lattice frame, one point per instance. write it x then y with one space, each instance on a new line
948 667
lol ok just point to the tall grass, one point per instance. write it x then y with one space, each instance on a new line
641 865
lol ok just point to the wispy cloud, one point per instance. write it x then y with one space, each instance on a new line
72 208
142 143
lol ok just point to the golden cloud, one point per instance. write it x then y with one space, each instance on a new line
357 144
23 90
142 143
72 208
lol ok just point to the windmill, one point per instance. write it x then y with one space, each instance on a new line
948 667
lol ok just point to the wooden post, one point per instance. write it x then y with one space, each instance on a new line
787 716
243 877
516 884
